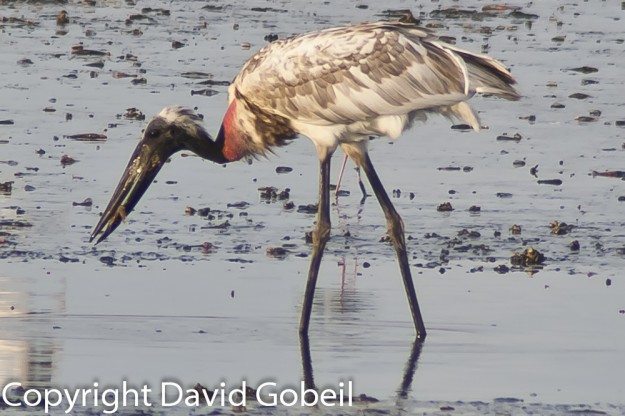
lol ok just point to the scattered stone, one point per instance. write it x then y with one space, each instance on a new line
213 82
277 252
121 75
579 96
308 209
531 118
203 212
133 114
267 10
79 50
466 233
239 205
518 14
589 81
555 182
206 92
284 169
87 137
507 400
268 192
445 207
461 127
517 137
502 269
6 187
157 11
15 224
584 69
610 173
586 119
108 260
86 203
529 257
67 160
560 228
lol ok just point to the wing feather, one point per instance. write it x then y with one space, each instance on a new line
357 73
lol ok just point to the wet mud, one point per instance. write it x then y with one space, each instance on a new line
515 234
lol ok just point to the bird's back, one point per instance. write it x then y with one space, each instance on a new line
365 79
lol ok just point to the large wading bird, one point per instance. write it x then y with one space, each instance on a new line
338 87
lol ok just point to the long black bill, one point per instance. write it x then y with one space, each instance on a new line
146 161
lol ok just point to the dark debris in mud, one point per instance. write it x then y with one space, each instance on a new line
529 257
441 249
440 246
479 243
6 187
87 137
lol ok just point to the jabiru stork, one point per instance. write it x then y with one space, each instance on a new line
338 87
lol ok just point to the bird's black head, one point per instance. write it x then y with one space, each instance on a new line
172 130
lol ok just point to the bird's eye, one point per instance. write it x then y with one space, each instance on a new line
154 133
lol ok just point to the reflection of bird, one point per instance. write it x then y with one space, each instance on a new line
338 87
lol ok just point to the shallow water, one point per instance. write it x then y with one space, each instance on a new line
150 304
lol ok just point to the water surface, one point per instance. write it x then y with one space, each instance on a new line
151 304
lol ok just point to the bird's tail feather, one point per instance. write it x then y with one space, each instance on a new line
487 75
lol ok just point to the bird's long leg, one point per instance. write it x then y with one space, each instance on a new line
338 181
396 233
320 237
362 187
360 183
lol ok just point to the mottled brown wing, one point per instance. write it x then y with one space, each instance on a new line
355 73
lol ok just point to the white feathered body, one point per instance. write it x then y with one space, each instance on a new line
343 84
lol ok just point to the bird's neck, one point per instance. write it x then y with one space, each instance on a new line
228 146
231 139
207 148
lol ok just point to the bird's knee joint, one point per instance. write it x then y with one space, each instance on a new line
396 233
321 233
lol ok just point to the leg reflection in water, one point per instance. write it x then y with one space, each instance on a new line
406 381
